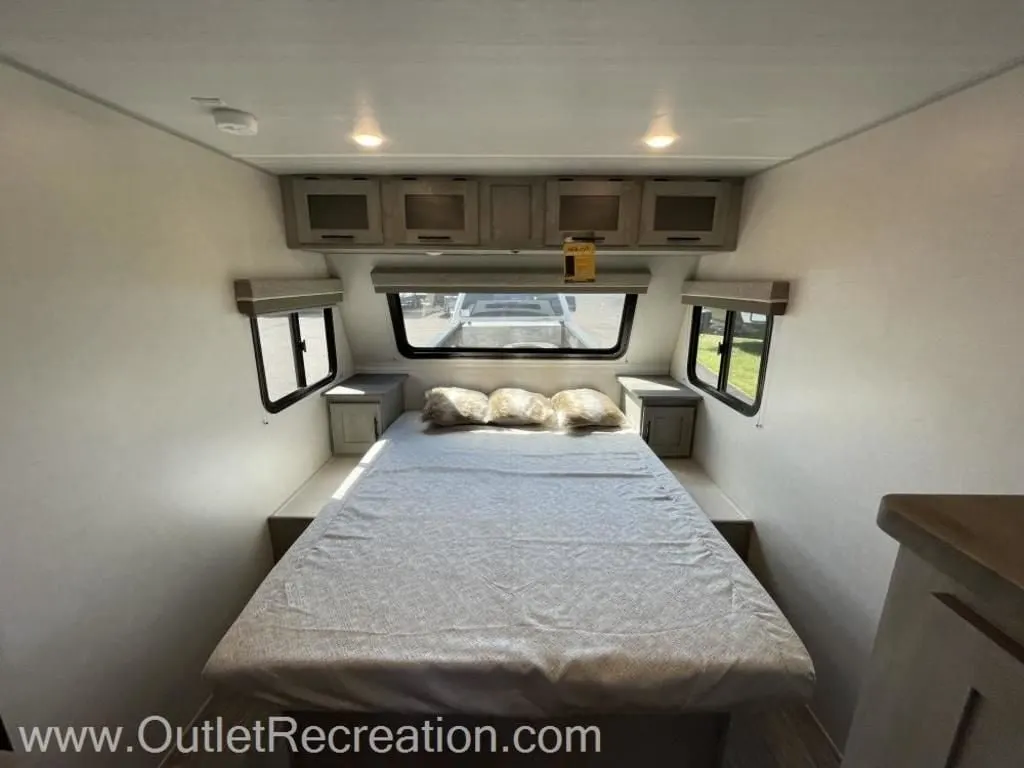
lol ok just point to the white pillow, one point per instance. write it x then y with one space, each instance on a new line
449 406
510 407
586 408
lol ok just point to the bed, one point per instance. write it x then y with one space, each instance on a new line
515 573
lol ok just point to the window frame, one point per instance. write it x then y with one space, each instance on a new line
720 391
407 350
304 389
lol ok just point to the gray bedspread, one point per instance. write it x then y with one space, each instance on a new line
512 572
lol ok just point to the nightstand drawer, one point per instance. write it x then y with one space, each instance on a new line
668 430
354 426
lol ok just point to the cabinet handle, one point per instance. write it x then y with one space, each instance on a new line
647 431
434 238
338 237
376 429
684 239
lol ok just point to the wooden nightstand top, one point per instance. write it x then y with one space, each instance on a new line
369 387
663 389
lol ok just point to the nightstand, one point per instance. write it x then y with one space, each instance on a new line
663 411
362 407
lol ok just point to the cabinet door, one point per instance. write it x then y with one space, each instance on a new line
668 429
685 213
434 211
958 703
512 213
605 210
336 211
354 426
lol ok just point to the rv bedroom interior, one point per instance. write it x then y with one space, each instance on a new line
510 383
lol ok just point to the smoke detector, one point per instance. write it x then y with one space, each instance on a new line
234 121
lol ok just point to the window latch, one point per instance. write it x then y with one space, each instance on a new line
722 347
302 345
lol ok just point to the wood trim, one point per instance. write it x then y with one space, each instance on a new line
764 296
262 297
459 281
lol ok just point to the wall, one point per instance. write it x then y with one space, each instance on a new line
898 366
658 316
137 466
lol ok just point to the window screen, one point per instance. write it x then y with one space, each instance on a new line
511 324
728 355
295 355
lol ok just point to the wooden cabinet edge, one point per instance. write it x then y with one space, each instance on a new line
291 223
539 244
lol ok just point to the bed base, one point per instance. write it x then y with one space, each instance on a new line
694 740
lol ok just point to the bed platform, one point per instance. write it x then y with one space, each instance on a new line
513 573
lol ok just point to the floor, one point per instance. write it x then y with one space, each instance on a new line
787 738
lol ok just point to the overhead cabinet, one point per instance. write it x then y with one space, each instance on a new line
332 211
603 209
512 213
433 211
531 213
688 213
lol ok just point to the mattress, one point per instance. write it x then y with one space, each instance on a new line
512 572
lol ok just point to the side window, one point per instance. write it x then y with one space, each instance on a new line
295 355
728 354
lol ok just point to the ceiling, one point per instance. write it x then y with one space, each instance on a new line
516 85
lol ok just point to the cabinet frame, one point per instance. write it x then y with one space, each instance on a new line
626 190
646 399
488 220
299 228
687 418
342 441
399 233
653 189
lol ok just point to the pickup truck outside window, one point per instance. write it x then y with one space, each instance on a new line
512 325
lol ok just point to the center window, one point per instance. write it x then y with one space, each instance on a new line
542 325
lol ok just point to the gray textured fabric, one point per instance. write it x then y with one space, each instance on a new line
501 571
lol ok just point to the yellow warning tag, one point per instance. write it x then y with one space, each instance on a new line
580 262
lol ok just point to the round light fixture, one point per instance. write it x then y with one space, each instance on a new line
235 121
660 141
368 140
660 134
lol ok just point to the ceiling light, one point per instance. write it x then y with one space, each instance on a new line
366 131
660 141
368 140
660 134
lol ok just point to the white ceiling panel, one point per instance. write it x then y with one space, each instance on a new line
516 85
